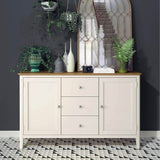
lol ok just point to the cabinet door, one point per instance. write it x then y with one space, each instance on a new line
118 106
41 101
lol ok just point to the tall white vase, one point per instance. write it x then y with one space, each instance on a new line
65 58
70 60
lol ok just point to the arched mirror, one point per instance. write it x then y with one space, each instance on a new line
101 21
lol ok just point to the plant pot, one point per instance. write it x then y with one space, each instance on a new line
59 65
122 67
46 6
35 61
67 16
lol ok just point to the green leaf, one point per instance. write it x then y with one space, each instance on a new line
51 3
52 22
38 15
123 52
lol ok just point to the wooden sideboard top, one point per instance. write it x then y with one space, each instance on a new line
76 74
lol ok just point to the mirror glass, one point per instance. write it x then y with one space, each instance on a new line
101 21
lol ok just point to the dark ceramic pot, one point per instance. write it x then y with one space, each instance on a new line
59 65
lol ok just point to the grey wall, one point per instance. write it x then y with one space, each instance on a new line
146 34
17 30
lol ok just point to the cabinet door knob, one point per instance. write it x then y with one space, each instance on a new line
80 126
80 106
102 106
80 87
59 106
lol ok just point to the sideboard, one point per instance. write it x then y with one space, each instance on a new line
79 105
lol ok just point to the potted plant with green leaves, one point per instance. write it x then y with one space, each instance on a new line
70 21
123 53
51 15
49 5
33 57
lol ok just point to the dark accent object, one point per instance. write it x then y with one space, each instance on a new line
59 65
87 69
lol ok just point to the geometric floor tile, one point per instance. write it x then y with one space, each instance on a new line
79 149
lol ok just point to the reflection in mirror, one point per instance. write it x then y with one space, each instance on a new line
101 21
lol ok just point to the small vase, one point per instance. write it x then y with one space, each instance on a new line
35 61
122 67
65 58
70 60
59 65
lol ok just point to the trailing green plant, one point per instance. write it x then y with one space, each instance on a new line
51 16
50 22
123 52
70 21
51 3
23 59
58 18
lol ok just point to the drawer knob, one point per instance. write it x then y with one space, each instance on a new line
59 106
80 87
80 126
80 106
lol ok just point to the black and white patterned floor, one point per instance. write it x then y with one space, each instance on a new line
79 149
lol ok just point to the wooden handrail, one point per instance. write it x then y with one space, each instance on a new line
96 14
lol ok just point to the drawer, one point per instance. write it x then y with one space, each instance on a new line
80 125
80 106
79 86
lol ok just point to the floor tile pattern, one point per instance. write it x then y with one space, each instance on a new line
79 149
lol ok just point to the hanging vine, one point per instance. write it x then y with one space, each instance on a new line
70 21
51 16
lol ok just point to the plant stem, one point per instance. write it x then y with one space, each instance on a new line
48 24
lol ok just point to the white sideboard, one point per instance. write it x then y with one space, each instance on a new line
79 105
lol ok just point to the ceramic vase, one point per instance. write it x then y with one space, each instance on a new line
70 60
65 58
59 65
35 61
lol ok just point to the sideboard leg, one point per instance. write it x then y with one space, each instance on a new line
138 142
21 143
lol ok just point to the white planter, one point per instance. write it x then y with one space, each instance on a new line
48 8
68 17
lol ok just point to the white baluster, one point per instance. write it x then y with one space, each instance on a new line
101 47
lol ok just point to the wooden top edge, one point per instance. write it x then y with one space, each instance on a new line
76 74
